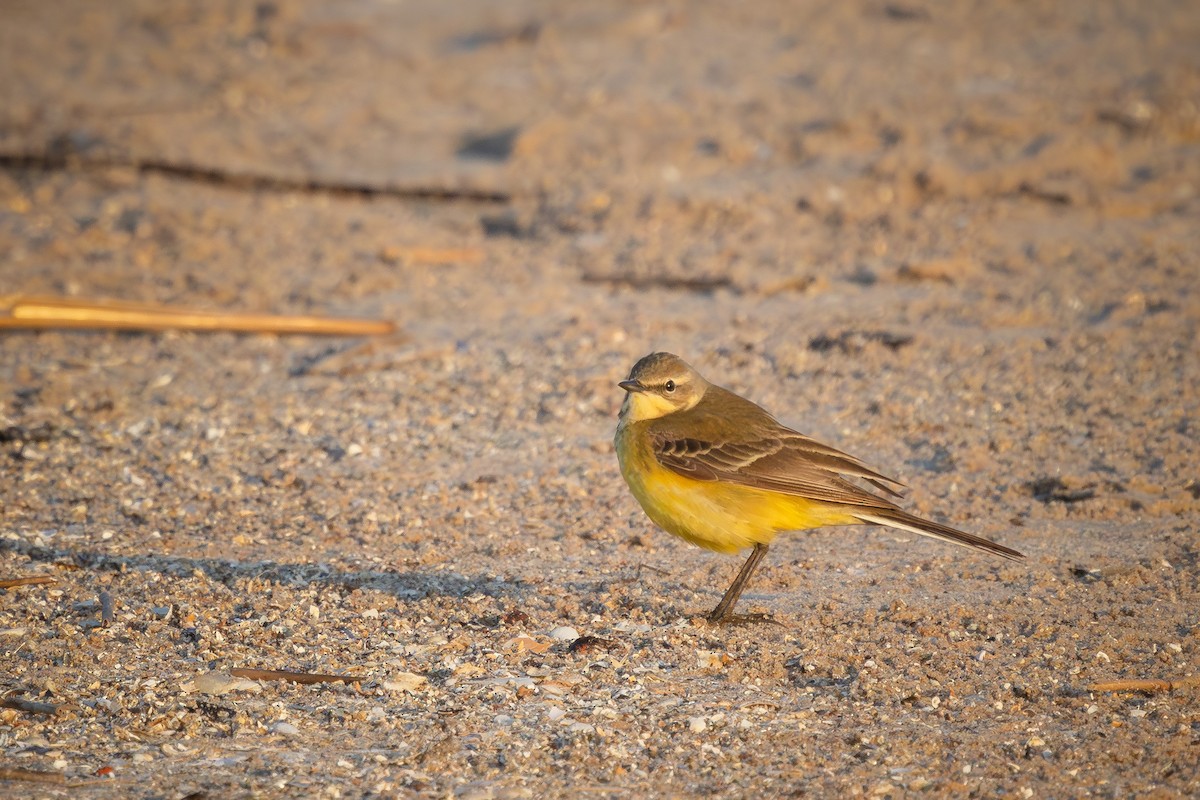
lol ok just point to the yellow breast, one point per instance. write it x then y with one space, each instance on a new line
717 515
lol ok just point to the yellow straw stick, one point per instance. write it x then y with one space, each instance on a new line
17 311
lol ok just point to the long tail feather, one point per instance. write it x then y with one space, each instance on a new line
907 522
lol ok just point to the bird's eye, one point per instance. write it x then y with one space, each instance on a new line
669 386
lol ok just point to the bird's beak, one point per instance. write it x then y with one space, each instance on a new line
632 386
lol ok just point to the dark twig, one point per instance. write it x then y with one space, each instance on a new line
704 284
32 580
1144 685
53 162
29 706
31 775
294 677
106 609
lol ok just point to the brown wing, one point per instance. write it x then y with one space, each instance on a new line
697 445
784 461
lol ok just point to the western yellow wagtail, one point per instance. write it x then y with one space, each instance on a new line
717 470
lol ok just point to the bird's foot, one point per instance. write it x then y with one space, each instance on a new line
742 619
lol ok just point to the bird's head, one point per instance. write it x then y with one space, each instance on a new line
660 384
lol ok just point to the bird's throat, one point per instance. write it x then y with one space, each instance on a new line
643 406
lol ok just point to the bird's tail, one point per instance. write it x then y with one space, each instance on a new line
907 522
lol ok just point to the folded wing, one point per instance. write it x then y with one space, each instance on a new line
785 461
791 463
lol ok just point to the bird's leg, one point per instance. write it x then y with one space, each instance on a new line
723 613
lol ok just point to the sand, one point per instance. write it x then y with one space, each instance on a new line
959 242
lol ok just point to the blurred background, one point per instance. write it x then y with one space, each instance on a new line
761 146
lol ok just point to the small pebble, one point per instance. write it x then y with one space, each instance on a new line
219 683
564 634
404 682
697 725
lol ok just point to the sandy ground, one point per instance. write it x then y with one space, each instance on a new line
957 240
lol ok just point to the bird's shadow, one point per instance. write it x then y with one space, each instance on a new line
403 585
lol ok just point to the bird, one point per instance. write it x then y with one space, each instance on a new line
719 471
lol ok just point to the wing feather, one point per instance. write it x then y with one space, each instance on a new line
783 461
697 445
